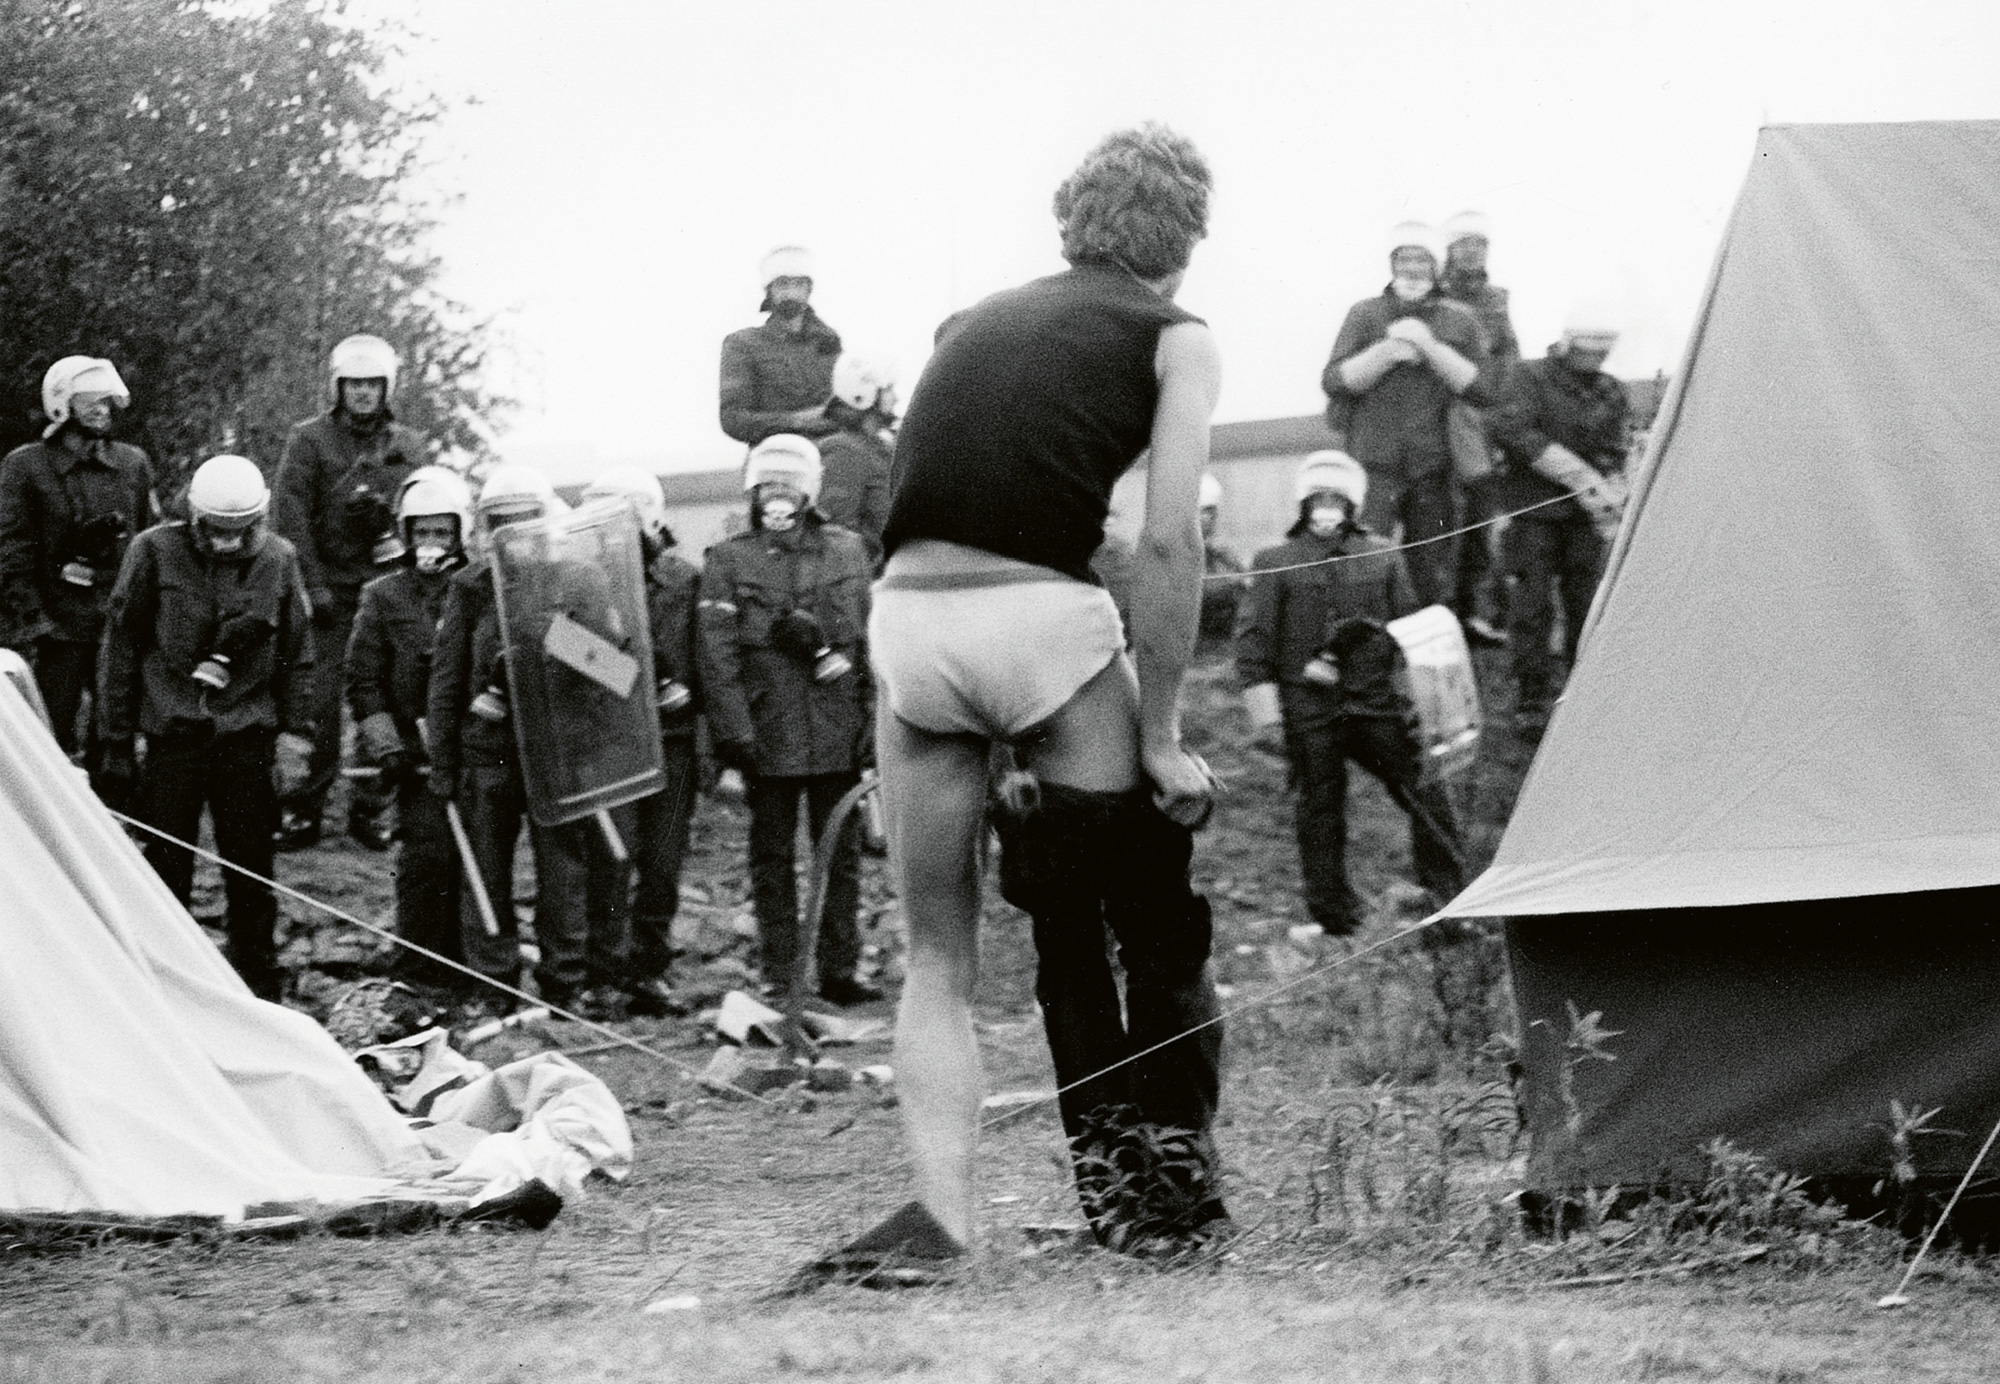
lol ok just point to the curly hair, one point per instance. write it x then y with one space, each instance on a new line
1139 199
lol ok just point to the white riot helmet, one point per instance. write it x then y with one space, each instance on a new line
859 382
227 501
1211 493
427 493
638 487
1420 235
1593 323
1466 226
514 492
785 262
74 375
362 357
1331 470
784 457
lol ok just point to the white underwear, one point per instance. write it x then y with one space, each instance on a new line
967 643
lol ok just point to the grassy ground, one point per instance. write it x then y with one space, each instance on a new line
1371 1153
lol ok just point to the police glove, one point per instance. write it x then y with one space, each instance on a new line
1602 497
380 740
740 755
798 633
97 541
1260 701
291 763
368 516
117 771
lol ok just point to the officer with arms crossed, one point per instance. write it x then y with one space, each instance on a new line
69 504
208 653
988 629
776 377
337 487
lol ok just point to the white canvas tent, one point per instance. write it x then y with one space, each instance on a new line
138 1075
1762 834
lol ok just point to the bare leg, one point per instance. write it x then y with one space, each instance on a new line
1093 741
934 798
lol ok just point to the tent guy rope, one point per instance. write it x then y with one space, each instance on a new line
620 1039
1399 548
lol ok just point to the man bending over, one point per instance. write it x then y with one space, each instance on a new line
990 629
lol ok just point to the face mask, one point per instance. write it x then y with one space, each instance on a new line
1327 521
778 514
1410 289
432 558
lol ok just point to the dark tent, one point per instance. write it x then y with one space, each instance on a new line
1762 834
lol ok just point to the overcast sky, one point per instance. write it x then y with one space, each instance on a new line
627 163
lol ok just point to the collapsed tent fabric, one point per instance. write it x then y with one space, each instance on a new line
1762 833
138 1074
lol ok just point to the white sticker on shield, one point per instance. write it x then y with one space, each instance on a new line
591 654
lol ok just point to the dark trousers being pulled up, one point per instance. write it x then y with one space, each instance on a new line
1093 869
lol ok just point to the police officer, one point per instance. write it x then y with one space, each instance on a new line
336 496
1223 582
777 377
475 762
1400 360
1476 597
1313 655
855 458
69 505
388 684
208 652
1561 429
656 827
783 612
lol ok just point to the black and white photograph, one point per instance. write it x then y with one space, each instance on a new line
994 691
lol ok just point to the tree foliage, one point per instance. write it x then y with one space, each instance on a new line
211 196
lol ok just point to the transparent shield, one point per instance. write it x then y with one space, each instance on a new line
1439 667
572 603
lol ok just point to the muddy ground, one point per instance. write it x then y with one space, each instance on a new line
1386 1258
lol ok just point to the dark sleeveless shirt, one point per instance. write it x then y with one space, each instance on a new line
1034 403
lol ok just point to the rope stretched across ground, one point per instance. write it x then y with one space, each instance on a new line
1398 548
625 1040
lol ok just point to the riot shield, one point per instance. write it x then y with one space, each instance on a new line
1439 667
572 604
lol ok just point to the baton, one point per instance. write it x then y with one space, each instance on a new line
612 840
464 844
472 876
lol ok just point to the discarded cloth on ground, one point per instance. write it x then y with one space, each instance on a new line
541 1117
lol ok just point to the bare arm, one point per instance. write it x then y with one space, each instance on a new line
1167 566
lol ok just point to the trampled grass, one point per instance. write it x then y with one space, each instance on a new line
1372 1158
